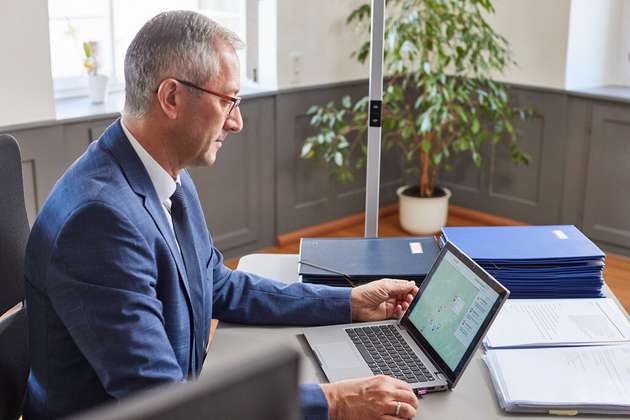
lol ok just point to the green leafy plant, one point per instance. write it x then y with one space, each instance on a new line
438 99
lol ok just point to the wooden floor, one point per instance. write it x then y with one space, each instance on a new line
617 272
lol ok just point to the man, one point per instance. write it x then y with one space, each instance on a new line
122 277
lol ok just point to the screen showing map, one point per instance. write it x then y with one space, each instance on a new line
452 308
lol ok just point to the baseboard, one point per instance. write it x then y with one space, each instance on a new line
485 219
354 219
333 225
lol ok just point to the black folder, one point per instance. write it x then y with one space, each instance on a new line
353 261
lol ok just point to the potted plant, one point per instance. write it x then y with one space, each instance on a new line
439 99
97 83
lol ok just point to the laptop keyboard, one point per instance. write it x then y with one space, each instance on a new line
387 353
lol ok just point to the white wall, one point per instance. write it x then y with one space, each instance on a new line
315 34
537 31
26 90
557 43
268 43
595 54
624 56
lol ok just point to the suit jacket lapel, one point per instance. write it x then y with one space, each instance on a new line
116 142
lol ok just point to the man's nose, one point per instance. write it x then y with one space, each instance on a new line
234 122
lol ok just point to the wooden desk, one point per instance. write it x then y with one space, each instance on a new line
472 399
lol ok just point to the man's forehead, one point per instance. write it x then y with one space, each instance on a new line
229 69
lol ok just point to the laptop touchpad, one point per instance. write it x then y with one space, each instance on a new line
339 355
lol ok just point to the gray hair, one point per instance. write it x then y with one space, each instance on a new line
172 44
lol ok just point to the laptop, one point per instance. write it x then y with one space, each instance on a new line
433 342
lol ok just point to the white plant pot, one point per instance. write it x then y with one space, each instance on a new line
422 216
97 85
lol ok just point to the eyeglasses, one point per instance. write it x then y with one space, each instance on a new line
234 101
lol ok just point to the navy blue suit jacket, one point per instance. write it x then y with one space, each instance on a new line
111 310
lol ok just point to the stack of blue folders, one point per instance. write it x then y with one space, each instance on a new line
534 261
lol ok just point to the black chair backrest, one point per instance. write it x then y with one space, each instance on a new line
13 225
14 352
14 363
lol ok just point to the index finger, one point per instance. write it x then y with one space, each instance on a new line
398 384
405 396
401 287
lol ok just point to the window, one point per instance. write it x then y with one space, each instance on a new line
110 25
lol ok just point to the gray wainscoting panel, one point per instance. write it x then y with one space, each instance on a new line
530 193
464 179
30 190
306 192
520 184
260 187
308 180
78 136
392 176
44 161
606 207
96 128
46 154
237 191
578 137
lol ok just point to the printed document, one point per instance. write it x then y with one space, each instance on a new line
589 379
558 322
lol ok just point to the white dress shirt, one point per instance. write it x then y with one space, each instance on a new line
163 183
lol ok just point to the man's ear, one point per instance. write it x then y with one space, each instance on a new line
169 98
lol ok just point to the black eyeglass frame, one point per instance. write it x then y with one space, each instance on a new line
235 101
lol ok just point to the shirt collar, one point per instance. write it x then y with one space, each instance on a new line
163 183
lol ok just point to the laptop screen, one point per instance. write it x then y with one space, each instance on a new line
454 308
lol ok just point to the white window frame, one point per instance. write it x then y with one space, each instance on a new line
72 87
76 86
251 24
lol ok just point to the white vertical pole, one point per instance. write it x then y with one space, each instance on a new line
373 169
251 38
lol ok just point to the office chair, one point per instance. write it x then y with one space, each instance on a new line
14 349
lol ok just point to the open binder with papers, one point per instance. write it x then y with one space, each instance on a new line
564 356
562 380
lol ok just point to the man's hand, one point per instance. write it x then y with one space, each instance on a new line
382 299
370 398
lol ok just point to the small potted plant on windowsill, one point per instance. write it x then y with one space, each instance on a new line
439 99
97 83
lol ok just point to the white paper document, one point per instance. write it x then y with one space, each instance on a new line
558 322
592 379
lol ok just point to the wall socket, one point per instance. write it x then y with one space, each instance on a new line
295 67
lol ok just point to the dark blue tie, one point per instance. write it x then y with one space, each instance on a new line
184 233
